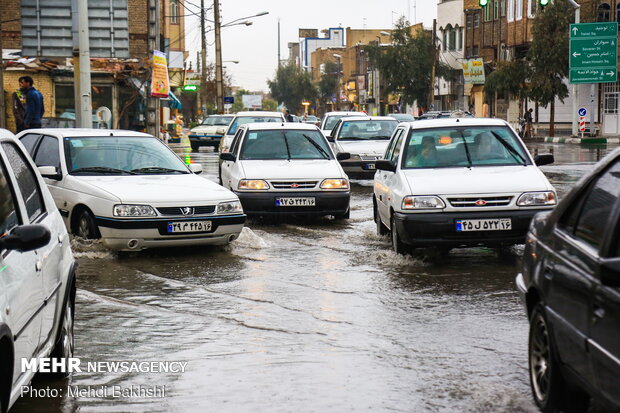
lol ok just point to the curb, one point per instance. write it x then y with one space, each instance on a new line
584 141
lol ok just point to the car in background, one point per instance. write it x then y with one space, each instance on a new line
456 183
37 273
242 118
331 118
313 120
570 287
366 139
285 169
209 132
445 114
296 119
131 190
402 117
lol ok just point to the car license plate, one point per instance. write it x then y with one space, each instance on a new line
499 224
189 226
295 202
369 166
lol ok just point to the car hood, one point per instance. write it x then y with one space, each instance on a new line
371 148
160 189
295 169
477 180
206 129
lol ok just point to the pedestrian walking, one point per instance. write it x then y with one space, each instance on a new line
19 109
528 123
34 103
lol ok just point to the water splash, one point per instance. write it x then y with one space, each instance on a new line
88 248
250 239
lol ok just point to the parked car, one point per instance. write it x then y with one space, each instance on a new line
242 118
330 119
209 132
402 117
289 168
311 119
458 182
366 139
37 272
570 287
131 190
445 114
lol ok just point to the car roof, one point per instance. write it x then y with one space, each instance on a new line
345 113
6 134
279 125
259 113
359 118
85 132
451 122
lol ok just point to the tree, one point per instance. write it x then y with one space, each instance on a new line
406 65
292 85
328 85
509 78
270 104
548 56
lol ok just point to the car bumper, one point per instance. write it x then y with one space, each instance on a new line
199 140
359 169
439 229
521 290
264 203
137 234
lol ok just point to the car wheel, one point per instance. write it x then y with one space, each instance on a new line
86 227
5 384
549 389
381 229
195 146
66 344
398 246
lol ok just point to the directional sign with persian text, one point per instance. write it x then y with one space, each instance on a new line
593 52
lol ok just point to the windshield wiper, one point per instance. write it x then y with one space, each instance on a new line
351 138
156 169
102 170
379 137
288 150
466 150
317 146
512 150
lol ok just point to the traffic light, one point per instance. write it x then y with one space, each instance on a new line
483 3
543 3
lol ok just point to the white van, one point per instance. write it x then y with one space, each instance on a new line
458 182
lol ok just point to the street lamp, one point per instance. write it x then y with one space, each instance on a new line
337 56
219 81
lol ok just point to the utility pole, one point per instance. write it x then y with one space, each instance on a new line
575 123
2 104
219 82
431 95
202 101
279 59
152 108
82 84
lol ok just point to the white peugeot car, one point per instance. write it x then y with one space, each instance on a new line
37 273
458 182
330 119
366 139
243 118
131 190
209 132
285 168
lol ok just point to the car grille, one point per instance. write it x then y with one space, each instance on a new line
294 185
472 202
198 210
370 158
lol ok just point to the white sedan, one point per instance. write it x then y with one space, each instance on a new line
131 190
285 168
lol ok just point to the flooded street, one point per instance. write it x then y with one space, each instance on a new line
318 316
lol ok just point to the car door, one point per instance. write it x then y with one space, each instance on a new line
569 270
385 179
20 274
48 154
40 210
230 168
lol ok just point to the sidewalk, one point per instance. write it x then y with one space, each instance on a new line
585 140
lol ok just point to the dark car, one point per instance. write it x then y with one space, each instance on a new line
570 287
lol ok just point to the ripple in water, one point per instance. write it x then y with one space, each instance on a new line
88 248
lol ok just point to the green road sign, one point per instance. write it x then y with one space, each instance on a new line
593 52
189 88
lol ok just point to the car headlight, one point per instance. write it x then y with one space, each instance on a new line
335 184
423 202
253 184
123 210
230 207
537 199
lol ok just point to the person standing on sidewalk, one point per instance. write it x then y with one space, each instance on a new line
19 110
528 123
34 103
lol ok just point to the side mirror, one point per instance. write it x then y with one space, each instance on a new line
385 165
343 156
26 238
610 272
50 172
196 168
227 156
545 159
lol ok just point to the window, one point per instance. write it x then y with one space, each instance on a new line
496 10
468 52
532 8
502 8
487 11
476 21
468 20
474 52
235 143
604 12
510 10
445 39
598 206
452 39
27 181
174 12
618 13
29 141
48 153
397 146
460 30
390 149
9 218
518 9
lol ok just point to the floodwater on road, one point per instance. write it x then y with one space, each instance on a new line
317 316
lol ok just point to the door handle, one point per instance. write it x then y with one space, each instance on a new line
60 239
38 265
599 312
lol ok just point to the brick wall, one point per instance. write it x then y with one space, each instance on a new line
138 28
42 82
11 30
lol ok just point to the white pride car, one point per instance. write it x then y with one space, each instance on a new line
131 190
331 118
243 118
285 169
458 182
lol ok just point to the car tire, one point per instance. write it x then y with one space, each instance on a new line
346 215
65 346
86 227
5 384
550 391
195 146
399 247
381 229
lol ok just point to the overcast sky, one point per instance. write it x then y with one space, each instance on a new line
256 46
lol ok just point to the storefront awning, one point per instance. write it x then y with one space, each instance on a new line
173 102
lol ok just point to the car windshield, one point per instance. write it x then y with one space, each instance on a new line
359 130
243 120
120 156
284 144
217 121
311 118
463 147
331 120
